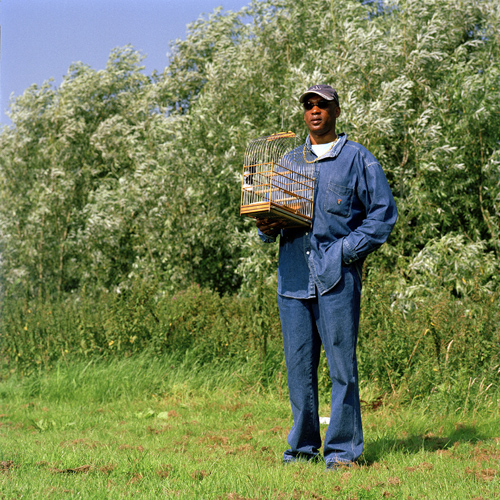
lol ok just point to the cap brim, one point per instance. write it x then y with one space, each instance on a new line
302 98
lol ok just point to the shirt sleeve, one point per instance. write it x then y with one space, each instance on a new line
265 238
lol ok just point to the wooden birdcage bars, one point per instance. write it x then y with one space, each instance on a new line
275 184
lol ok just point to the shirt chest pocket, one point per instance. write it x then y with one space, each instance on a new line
338 200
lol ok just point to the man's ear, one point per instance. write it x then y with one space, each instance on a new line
337 111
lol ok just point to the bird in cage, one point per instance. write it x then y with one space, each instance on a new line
277 181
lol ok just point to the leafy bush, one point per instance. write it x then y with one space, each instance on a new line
116 177
210 326
447 345
449 263
442 344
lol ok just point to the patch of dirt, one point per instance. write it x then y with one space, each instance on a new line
315 496
83 469
154 430
135 479
235 496
214 439
106 469
164 471
482 474
245 437
130 447
199 474
277 430
6 465
373 405
485 455
444 453
394 481
244 448
346 477
421 467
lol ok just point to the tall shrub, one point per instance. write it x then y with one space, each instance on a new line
115 176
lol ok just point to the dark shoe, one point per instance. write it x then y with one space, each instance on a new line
302 458
333 466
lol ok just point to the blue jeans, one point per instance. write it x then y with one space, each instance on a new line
331 319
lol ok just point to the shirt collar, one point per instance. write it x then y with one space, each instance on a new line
335 151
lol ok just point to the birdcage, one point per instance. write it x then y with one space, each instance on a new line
277 182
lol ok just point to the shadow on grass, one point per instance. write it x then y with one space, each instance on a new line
376 450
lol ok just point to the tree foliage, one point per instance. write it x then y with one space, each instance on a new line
116 176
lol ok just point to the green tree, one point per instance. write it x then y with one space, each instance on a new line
116 176
65 144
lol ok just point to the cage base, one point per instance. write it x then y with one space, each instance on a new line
269 210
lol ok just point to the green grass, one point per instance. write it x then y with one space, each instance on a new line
148 428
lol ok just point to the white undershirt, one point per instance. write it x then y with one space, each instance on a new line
321 149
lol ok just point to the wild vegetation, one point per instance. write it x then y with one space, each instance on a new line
119 224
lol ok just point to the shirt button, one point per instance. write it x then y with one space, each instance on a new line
307 253
307 234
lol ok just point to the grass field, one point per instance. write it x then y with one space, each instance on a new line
145 428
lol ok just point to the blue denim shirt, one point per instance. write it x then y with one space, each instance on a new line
354 213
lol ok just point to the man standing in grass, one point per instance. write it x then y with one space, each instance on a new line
319 280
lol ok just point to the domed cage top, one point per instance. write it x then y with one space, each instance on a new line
277 181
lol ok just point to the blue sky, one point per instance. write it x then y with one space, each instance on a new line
41 38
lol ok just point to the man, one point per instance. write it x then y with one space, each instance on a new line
319 280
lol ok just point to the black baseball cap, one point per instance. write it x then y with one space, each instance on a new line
325 91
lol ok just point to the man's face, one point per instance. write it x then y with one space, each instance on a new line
321 122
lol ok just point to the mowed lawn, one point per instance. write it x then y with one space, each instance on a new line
148 430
